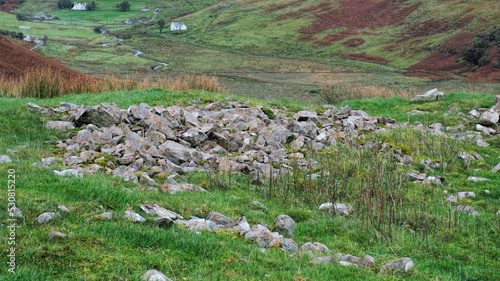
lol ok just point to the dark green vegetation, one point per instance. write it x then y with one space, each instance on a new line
392 218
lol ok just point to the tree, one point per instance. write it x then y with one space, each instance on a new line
123 6
92 6
161 23
64 4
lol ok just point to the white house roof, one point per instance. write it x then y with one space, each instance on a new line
176 24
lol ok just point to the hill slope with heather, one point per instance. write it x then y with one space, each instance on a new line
429 38
17 60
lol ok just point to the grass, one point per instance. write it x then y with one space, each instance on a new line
41 83
420 226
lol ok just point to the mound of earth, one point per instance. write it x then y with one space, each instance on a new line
17 60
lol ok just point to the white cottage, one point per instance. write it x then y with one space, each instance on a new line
79 6
178 26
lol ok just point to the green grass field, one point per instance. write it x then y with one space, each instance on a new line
443 244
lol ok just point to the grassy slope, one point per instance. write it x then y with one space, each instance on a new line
107 250
248 25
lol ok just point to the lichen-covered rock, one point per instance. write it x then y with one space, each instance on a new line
489 118
196 224
285 225
431 95
47 217
337 208
462 195
5 159
366 261
263 237
324 260
133 216
314 248
399 265
476 179
60 125
106 215
182 187
154 209
154 275
467 209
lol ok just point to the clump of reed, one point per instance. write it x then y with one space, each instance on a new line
45 83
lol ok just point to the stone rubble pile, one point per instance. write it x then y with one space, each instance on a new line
174 140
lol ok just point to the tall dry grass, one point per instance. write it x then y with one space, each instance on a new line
45 83
340 92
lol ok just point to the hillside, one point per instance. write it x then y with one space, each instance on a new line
428 38
17 60
206 186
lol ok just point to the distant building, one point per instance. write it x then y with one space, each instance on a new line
178 26
30 38
79 6
145 9
42 16
128 21
157 10
24 27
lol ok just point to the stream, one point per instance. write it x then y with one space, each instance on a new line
137 54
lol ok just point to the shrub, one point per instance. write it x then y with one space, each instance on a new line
92 6
123 6
64 4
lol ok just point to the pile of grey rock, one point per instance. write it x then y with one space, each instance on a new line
219 136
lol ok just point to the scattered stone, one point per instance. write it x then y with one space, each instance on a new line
451 198
366 261
220 219
474 113
69 172
154 209
415 177
106 215
196 224
496 168
480 143
467 209
288 245
489 118
154 275
257 203
396 266
324 260
462 195
337 208
47 217
466 157
55 233
63 209
5 159
133 216
314 248
431 95
415 112
284 225
15 212
182 187
263 237
476 179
